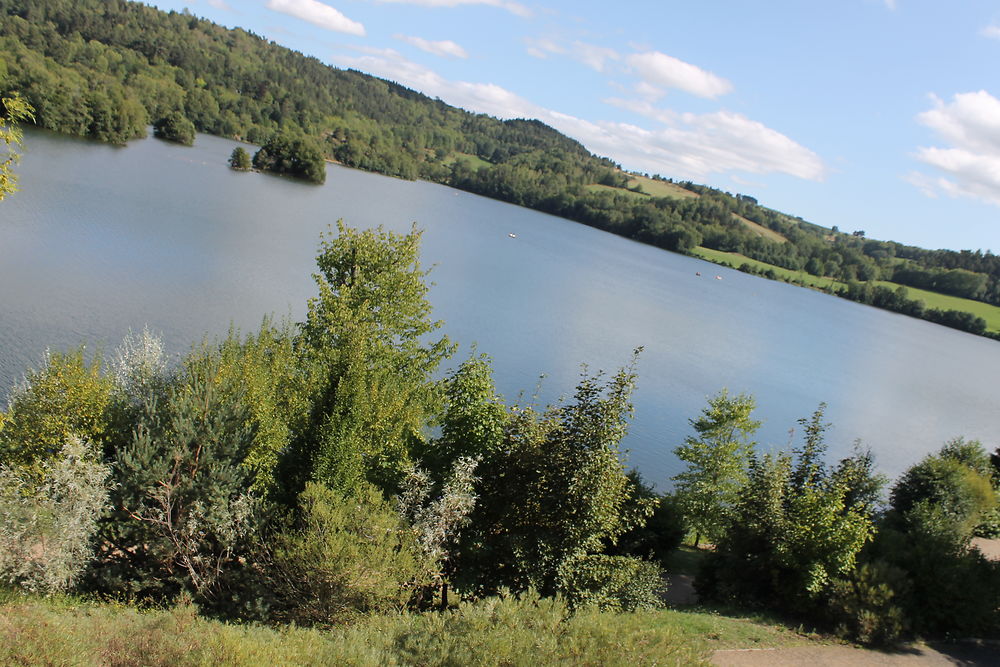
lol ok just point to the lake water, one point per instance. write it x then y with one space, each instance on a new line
104 239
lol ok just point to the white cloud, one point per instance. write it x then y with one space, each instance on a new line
220 4
319 14
687 146
891 4
660 69
970 126
542 48
512 7
593 56
991 31
691 145
445 48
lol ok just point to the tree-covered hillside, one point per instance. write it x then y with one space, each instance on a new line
109 68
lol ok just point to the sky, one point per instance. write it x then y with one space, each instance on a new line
874 115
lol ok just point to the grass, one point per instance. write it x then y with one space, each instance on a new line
988 312
657 188
761 230
735 260
475 162
493 632
650 188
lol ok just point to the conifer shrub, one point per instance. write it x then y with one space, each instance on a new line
349 554
867 605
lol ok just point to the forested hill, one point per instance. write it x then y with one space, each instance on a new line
109 68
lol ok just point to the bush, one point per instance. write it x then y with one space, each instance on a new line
865 606
175 127
614 583
47 525
349 554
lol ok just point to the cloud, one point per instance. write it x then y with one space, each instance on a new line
445 49
686 146
220 4
593 56
318 14
991 31
660 69
891 4
692 145
970 161
512 7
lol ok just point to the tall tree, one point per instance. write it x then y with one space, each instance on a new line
717 459
370 339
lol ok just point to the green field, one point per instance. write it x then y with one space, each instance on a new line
761 230
597 187
986 311
735 260
661 188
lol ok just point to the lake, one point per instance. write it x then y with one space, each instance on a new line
103 239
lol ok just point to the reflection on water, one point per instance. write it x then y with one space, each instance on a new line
105 239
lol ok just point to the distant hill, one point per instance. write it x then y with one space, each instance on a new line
108 68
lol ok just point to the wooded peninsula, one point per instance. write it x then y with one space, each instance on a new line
108 69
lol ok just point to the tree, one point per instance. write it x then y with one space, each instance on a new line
240 159
68 397
370 341
550 498
15 110
717 462
796 528
175 127
295 156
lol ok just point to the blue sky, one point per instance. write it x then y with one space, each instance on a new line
881 115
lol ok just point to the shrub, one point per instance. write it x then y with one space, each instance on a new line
348 554
47 525
866 605
613 583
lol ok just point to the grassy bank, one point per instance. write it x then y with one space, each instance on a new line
71 631
988 312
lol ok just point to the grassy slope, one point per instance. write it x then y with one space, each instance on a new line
67 631
657 188
986 311
761 230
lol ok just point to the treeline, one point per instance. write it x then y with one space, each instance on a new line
794 534
107 69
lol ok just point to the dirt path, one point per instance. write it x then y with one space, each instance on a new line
969 654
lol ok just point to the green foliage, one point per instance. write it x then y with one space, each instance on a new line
528 629
240 159
275 385
663 531
181 508
791 533
348 554
15 110
613 583
498 631
294 156
961 494
552 494
48 523
175 127
369 334
717 459
865 604
66 398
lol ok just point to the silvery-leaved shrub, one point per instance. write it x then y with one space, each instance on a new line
47 522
